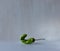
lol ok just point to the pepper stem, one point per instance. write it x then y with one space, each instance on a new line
39 39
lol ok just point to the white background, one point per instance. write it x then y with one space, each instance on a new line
38 18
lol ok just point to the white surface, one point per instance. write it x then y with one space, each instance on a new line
37 46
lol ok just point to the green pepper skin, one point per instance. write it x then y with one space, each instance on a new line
28 41
23 36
